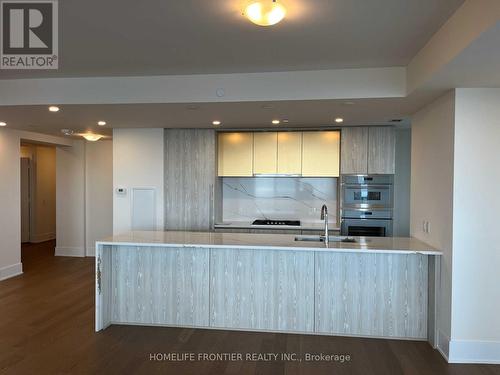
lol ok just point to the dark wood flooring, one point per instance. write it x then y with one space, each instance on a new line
47 327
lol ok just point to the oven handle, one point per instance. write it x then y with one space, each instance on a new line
367 186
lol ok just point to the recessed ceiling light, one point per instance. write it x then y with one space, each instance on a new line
265 12
267 106
53 108
101 123
3 123
91 137
348 103
339 120
67 131
216 122
276 122
285 120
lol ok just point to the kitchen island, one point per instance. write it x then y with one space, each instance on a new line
374 287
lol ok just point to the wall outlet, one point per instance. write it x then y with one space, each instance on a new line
426 226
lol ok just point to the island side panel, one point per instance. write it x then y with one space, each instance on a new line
381 295
102 286
262 289
162 286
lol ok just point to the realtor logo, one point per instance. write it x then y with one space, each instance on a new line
29 35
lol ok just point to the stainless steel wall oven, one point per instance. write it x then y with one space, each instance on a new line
366 205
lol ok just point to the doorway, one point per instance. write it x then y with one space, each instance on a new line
38 193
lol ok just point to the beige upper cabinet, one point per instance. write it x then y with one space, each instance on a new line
235 154
321 154
381 150
265 153
290 153
354 150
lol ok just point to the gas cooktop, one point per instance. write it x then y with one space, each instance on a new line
294 223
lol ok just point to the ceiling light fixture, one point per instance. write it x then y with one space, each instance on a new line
53 108
101 123
265 12
339 120
67 131
276 122
91 137
216 122
3 123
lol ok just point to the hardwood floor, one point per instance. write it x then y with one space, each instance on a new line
47 327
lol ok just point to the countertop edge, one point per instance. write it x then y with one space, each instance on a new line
280 248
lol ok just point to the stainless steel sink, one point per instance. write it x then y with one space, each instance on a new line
318 238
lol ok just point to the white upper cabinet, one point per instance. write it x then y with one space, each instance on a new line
321 153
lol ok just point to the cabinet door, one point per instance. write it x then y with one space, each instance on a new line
381 150
354 151
265 152
189 179
235 154
321 154
290 153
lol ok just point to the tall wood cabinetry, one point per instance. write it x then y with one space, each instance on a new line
190 179
368 150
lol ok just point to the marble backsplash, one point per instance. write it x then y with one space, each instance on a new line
246 199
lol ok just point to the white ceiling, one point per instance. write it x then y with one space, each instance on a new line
301 114
131 37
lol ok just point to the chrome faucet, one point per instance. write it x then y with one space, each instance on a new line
324 216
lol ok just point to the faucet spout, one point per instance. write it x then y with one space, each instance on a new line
324 216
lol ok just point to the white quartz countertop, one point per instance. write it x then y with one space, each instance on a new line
393 245
302 226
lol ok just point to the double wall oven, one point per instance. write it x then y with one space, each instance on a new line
366 205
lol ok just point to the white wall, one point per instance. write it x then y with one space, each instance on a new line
98 192
402 181
70 206
10 195
10 204
476 246
137 162
432 194
44 194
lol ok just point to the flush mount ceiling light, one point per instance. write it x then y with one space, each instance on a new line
53 108
276 122
339 120
91 137
67 131
101 123
216 122
3 123
265 12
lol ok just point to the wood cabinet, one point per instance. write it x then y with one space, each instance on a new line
368 150
265 153
320 153
354 146
290 153
189 179
381 150
235 154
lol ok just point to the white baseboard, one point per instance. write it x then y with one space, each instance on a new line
11 271
70 251
471 351
90 252
42 237
443 344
